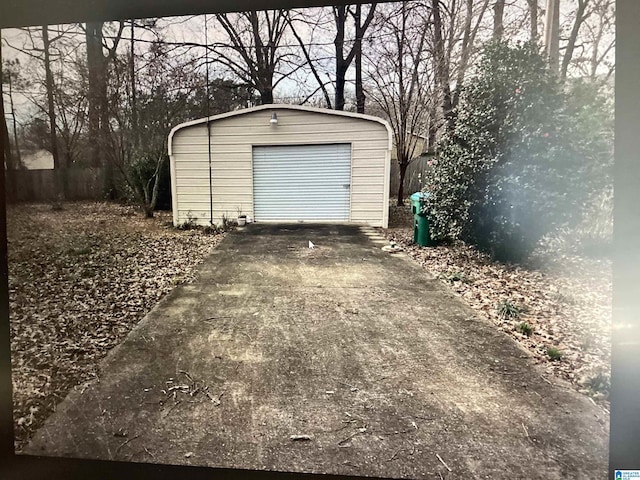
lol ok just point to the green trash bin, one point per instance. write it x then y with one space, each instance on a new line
420 222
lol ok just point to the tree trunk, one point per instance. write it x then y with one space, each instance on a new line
360 96
341 65
134 106
343 62
403 172
59 169
533 16
266 95
16 160
432 129
5 153
552 34
107 163
498 19
99 105
156 186
573 37
464 54
95 58
442 69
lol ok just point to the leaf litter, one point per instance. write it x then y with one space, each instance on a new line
558 302
79 280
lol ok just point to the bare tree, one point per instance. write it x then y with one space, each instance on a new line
9 76
132 80
70 96
581 14
97 78
311 63
601 38
42 50
169 89
59 168
399 77
468 43
98 67
255 39
345 58
52 80
361 29
5 152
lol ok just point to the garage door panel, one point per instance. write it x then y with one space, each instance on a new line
302 182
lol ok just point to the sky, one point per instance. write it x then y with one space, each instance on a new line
191 29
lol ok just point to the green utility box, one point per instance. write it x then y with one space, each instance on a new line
420 222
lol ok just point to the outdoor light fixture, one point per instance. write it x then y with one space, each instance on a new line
274 119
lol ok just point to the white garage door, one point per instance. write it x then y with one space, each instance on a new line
302 182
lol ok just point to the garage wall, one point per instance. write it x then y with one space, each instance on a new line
232 139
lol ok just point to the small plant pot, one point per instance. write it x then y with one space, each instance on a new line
242 220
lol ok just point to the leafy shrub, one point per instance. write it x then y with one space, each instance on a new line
514 166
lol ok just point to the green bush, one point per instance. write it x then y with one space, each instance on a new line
516 164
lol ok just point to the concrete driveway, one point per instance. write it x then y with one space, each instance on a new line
372 364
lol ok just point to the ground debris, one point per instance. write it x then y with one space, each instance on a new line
191 389
126 442
357 432
301 438
562 301
443 462
79 280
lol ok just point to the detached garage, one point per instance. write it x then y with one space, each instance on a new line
281 163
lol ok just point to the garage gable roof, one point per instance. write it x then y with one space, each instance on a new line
276 106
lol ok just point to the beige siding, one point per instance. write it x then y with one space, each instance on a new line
232 139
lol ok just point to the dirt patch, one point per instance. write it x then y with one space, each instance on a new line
79 280
560 303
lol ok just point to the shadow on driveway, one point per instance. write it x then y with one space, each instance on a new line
340 359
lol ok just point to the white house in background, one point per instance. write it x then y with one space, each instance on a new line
38 160
281 163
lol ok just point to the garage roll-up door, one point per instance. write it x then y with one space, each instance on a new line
302 182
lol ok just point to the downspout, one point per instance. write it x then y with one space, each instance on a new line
210 170
206 54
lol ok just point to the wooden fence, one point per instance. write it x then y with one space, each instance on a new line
413 180
39 185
